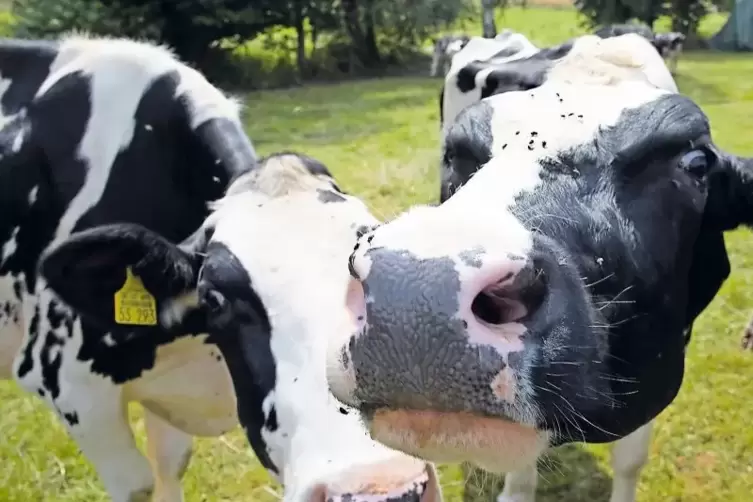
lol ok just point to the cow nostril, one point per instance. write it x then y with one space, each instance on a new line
511 301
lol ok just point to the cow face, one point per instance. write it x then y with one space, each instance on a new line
445 49
266 276
546 300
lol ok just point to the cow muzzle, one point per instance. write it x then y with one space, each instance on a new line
446 352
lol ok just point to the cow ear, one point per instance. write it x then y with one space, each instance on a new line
730 194
119 275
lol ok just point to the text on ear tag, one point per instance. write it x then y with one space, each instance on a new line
134 304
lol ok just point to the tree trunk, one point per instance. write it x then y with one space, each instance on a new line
188 41
363 43
487 18
300 52
353 28
372 50
314 38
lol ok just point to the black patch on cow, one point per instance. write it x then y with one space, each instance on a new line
71 418
27 361
441 104
271 423
243 335
329 196
667 289
164 162
466 78
51 361
518 75
467 146
26 63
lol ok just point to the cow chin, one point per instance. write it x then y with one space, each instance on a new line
494 444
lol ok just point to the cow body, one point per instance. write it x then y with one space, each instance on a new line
560 308
97 131
265 276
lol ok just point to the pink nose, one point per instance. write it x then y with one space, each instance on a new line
500 292
403 479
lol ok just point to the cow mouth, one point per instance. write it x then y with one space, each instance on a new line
416 482
495 443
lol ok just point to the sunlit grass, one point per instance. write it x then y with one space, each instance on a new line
380 138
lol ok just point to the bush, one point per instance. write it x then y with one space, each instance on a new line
51 18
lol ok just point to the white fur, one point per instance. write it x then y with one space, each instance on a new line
294 248
121 70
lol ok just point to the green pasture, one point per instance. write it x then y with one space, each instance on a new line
380 138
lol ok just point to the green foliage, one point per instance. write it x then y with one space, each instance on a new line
49 18
7 24
686 14
404 24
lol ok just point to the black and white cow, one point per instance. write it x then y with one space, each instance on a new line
479 76
98 131
265 276
445 49
465 81
549 299
669 44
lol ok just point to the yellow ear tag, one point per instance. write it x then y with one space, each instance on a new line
134 304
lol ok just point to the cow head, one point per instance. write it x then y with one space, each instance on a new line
668 43
445 49
547 299
266 276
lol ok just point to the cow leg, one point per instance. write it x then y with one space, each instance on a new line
97 419
95 415
629 455
434 65
520 486
105 437
169 451
673 56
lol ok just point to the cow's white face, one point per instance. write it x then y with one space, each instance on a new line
267 276
294 250
546 300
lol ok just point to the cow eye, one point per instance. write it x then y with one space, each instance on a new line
697 162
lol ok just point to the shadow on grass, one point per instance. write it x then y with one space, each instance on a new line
568 474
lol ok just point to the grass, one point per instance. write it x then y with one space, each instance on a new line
380 138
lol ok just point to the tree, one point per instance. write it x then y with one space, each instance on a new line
190 27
